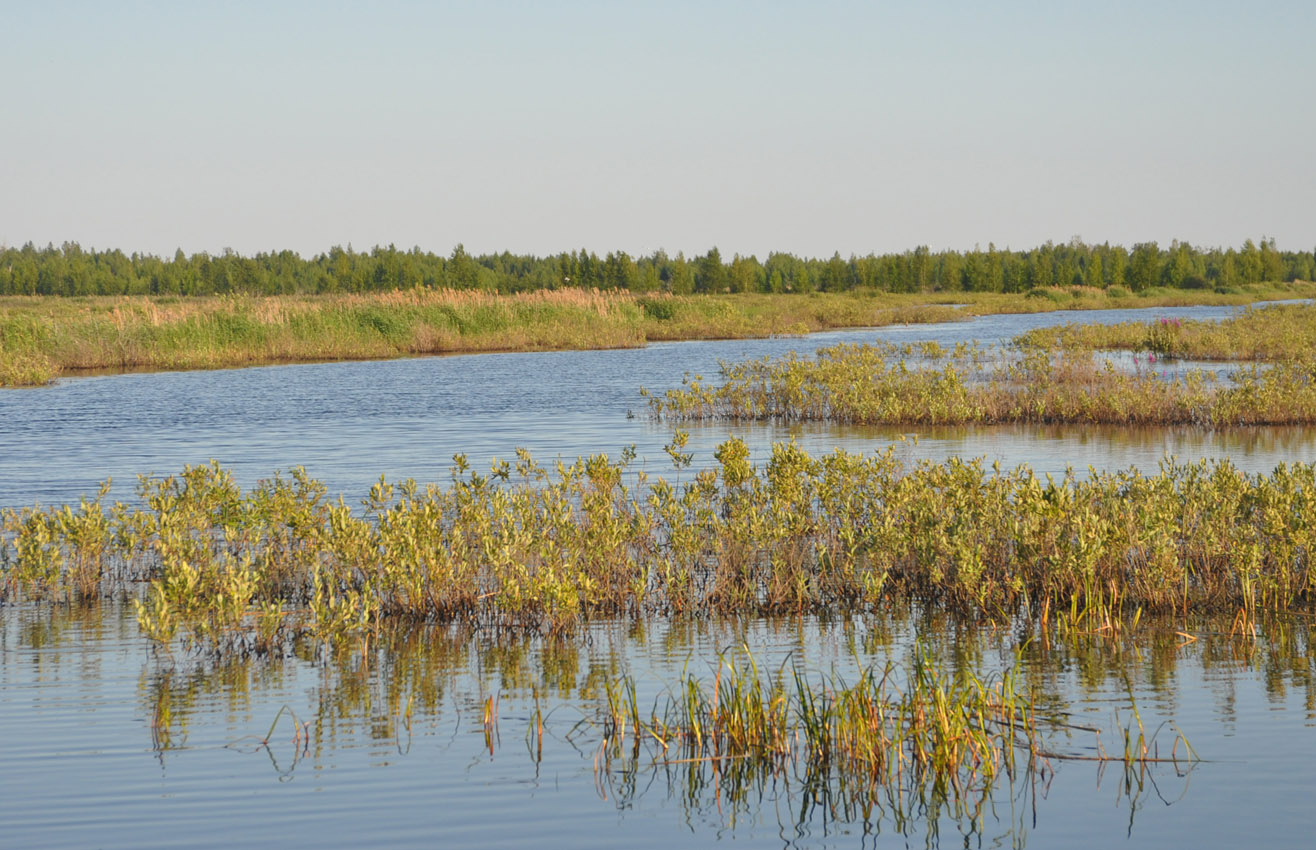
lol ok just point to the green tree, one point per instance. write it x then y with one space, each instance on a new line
1250 267
1094 275
920 269
950 271
1144 266
1117 265
1229 269
619 271
834 276
710 274
745 274
1272 266
682 281
462 272
1178 267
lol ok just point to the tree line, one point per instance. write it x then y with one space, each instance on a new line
69 270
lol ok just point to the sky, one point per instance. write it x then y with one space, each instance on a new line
539 127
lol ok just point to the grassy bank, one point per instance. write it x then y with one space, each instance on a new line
43 338
526 548
1054 376
873 385
1281 332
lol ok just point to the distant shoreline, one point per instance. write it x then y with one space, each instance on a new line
43 337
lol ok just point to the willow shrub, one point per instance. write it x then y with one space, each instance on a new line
1273 333
883 384
528 548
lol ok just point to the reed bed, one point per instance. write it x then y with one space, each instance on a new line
42 338
903 743
1274 333
920 734
523 548
920 722
880 385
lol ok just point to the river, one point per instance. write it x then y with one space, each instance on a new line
110 742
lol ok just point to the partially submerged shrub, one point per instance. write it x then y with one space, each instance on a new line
526 548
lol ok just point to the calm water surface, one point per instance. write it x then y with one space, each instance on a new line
107 743
348 423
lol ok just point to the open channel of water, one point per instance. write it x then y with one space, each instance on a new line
349 423
108 743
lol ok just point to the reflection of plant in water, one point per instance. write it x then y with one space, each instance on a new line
806 803
540 553
175 695
56 627
300 742
861 384
380 691
375 686
1072 659
909 748
1276 332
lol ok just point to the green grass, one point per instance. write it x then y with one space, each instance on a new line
1051 375
921 729
42 338
901 385
1281 332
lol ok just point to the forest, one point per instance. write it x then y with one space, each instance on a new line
70 270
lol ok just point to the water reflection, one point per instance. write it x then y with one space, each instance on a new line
804 804
420 692
348 423
359 687
416 696
1048 449
373 734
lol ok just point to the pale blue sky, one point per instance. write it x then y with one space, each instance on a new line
754 126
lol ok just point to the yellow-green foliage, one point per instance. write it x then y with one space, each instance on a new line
41 338
523 547
1280 332
903 742
920 729
57 553
876 384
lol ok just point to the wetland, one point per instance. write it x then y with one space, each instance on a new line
941 634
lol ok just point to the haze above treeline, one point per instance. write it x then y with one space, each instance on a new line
69 270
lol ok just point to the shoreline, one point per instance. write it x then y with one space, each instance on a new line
46 337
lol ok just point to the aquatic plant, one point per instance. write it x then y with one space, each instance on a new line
44 337
902 739
916 725
1271 333
881 384
523 548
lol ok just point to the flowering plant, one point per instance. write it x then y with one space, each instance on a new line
1163 336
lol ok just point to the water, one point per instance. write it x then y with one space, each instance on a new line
349 423
110 746
110 743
